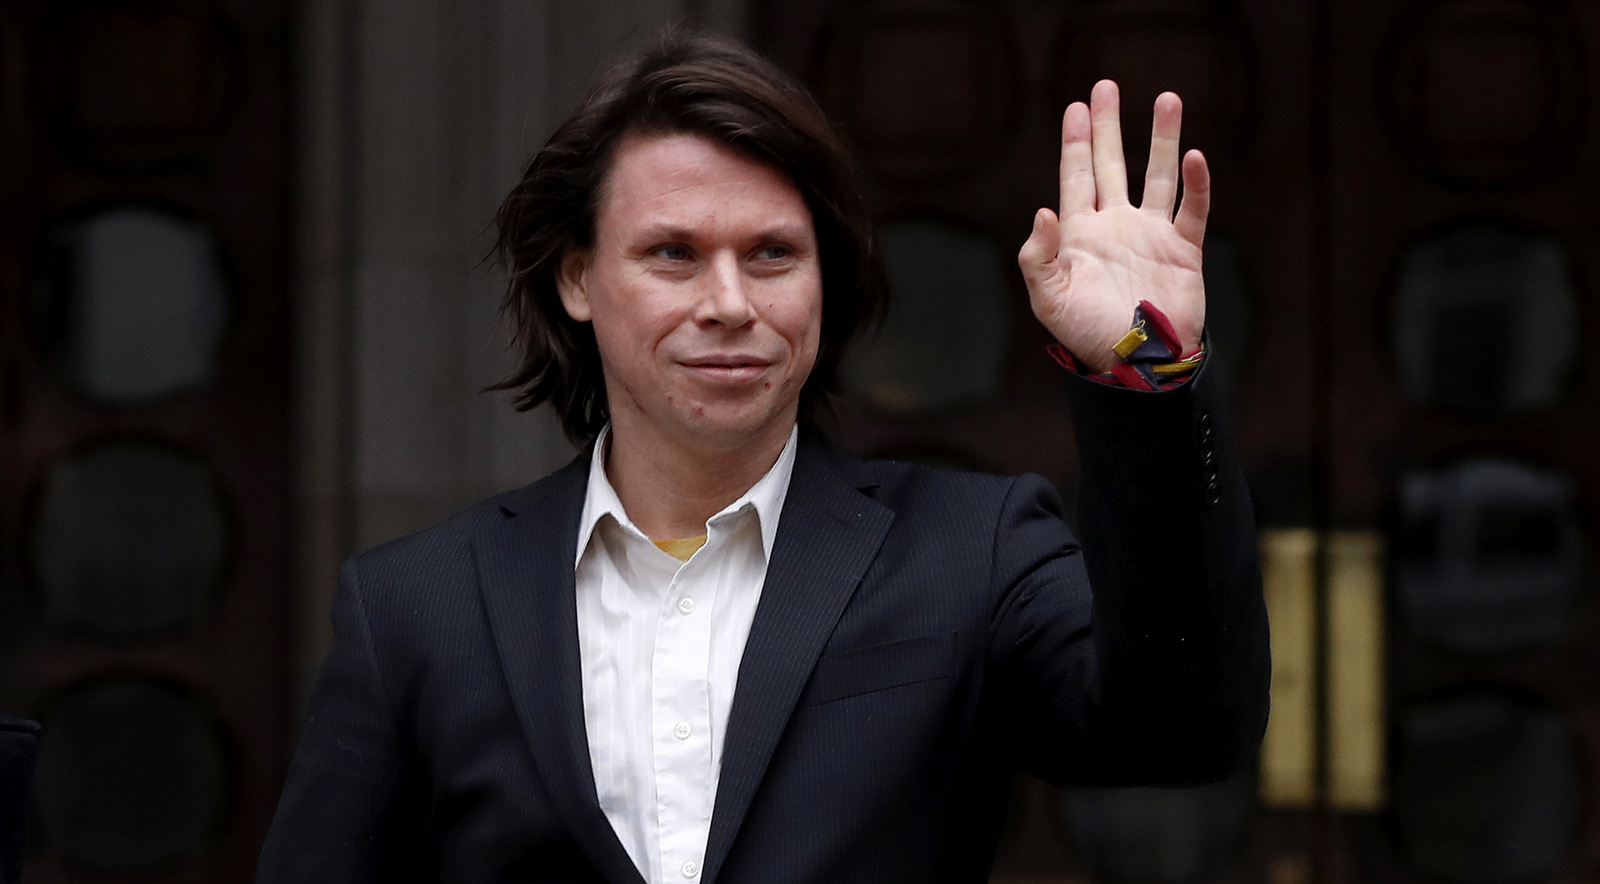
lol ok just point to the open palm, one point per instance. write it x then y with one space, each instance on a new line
1088 267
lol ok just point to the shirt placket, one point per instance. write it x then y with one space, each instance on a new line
681 722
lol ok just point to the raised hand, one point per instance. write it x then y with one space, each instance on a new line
1088 268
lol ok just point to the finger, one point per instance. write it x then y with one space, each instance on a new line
1110 171
1161 176
1191 220
1077 161
1038 255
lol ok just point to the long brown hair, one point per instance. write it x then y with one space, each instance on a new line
706 86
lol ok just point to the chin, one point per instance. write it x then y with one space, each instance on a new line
725 429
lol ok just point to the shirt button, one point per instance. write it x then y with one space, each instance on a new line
681 730
690 869
686 605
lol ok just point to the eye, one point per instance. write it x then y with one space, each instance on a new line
773 252
671 252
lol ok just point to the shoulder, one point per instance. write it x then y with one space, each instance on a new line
960 529
443 551
896 480
957 499
12 723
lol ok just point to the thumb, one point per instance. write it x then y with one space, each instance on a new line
1037 259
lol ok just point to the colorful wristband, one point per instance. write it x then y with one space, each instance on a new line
1152 356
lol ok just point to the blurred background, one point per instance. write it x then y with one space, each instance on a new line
244 319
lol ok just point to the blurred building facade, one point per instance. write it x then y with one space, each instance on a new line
245 314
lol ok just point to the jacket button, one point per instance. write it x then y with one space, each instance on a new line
1213 493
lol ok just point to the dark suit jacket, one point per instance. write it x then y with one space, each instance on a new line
921 636
18 744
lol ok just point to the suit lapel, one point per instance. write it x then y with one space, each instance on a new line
526 573
827 536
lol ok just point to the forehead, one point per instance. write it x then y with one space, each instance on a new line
681 178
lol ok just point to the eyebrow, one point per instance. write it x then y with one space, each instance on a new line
784 232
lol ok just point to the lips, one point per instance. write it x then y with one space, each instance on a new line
727 368
727 362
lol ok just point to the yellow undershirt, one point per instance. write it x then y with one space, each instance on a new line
682 548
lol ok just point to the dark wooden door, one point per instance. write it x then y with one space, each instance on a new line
1462 278
143 428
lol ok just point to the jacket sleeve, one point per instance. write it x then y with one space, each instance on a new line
18 747
1141 657
354 806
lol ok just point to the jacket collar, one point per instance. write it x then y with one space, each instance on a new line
828 534
525 574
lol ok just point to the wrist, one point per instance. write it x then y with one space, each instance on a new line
1150 356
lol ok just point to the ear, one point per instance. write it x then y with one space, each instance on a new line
571 280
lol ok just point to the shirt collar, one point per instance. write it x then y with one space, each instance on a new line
766 496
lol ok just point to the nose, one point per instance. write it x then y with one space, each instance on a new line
725 300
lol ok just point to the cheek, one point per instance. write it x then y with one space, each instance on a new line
630 323
813 336
814 327
610 336
625 353
800 313
801 327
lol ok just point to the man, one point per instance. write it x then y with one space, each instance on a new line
714 648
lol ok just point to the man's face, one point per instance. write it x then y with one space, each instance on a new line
704 288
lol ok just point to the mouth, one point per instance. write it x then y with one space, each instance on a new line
727 369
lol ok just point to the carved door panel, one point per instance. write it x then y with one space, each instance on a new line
143 426
1461 283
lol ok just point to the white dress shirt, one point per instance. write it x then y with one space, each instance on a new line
660 642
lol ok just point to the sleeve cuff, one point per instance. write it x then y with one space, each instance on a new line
1152 356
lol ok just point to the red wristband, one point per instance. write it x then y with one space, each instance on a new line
1149 361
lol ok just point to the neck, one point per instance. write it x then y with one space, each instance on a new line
670 490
